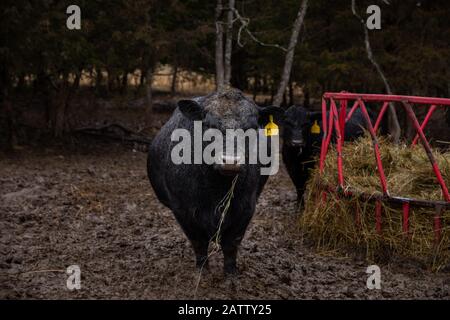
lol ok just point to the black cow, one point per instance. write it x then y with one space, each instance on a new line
301 144
194 191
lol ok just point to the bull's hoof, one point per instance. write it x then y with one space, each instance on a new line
230 270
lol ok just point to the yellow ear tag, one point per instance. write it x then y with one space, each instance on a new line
271 129
315 128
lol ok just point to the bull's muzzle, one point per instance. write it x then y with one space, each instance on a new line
297 143
228 164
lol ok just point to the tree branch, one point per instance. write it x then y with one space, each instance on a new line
244 27
394 126
219 47
290 53
229 42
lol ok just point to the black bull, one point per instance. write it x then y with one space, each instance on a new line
194 192
302 139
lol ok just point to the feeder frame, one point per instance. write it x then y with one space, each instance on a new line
336 123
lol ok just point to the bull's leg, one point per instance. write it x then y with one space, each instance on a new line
196 236
231 238
229 255
300 184
300 195
201 252
230 244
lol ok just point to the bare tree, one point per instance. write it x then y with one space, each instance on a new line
290 54
173 85
229 43
149 95
394 126
219 47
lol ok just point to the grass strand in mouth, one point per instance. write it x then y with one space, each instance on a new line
332 225
221 208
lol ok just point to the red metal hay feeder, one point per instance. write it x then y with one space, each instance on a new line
336 121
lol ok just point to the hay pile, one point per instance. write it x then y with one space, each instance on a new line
333 224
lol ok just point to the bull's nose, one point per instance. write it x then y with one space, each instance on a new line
228 169
230 159
297 143
228 164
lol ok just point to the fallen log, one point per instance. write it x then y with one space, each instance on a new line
115 132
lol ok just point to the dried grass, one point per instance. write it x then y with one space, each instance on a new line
333 225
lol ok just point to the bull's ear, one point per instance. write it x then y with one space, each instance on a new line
265 112
191 109
315 115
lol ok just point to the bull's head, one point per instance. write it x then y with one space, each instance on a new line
227 112
298 123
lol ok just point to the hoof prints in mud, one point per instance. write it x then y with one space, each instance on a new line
98 211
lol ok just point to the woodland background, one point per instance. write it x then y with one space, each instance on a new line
141 55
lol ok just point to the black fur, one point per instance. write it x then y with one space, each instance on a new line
301 146
193 191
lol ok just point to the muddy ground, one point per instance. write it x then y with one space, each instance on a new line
90 204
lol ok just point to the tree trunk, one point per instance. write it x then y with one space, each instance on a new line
11 132
124 82
59 112
110 81
306 99
173 87
393 124
21 82
6 107
291 93
149 95
142 79
59 104
290 53
76 82
229 43
219 47
255 87
98 78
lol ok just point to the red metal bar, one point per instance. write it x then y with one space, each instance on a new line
352 111
326 142
380 116
351 193
337 121
378 209
406 217
386 98
325 135
376 148
424 123
342 113
324 118
339 143
427 148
